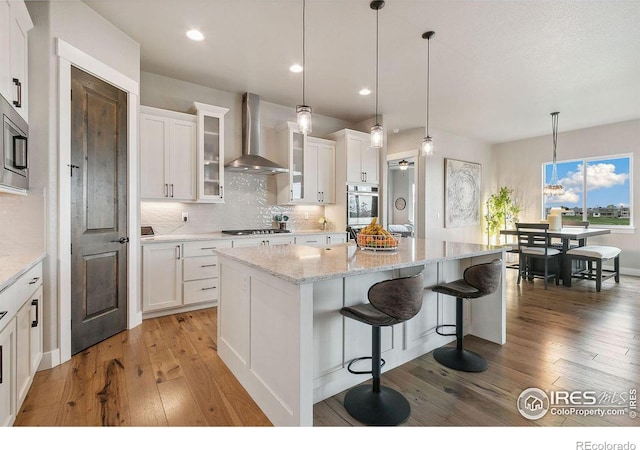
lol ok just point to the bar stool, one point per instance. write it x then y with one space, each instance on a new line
477 281
595 254
390 302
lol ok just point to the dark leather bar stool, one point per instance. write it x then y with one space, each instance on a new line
477 281
390 302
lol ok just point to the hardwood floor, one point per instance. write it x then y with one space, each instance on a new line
166 372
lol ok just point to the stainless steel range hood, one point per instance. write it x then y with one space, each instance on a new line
251 161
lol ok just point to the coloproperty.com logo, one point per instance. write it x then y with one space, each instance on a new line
534 403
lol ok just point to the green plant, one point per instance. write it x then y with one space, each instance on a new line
502 212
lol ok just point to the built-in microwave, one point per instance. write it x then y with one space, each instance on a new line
362 205
14 173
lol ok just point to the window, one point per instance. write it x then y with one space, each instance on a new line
595 189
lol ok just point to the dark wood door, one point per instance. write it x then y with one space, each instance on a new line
98 210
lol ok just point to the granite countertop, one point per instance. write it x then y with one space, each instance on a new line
299 264
13 266
220 235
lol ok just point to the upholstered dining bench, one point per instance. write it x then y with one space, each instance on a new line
594 254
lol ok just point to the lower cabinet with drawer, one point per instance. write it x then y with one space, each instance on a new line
321 239
20 341
179 276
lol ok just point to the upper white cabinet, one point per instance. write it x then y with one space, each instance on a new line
311 164
15 23
320 155
354 149
210 151
167 154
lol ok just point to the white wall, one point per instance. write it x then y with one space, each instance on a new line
83 28
430 183
519 165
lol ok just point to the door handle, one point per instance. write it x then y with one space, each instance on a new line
18 103
34 323
122 240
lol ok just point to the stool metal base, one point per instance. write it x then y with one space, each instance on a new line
387 407
463 360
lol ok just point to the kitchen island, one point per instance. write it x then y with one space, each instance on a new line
281 333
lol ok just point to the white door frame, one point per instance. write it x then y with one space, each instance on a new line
69 55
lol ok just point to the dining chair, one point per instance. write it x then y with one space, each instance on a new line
534 244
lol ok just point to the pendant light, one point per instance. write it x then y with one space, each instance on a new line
303 111
427 141
554 188
377 133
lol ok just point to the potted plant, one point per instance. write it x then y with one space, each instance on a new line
502 212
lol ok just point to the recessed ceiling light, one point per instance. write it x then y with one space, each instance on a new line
195 35
296 68
365 91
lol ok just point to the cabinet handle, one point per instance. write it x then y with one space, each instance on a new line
34 323
221 192
2 314
209 288
1 361
322 196
208 265
18 103
166 190
34 281
208 248
171 190
365 177
291 195
328 239
177 252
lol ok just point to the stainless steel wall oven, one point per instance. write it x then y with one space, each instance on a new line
14 173
362 205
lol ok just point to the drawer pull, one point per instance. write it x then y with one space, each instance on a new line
311 242
34 323
34 281
1 361
208 288
2 314
208 265
208 248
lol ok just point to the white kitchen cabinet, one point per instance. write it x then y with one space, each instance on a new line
321 239
265 240
353 148
15 24
7 373
200 271
20 340
319 157
210 152
311 164
177 275
28 343
161 276
167 155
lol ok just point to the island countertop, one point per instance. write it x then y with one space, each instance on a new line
299 264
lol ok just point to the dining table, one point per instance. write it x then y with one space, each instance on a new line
567 235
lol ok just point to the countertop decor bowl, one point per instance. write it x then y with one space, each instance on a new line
379 242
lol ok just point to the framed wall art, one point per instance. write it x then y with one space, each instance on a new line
462 193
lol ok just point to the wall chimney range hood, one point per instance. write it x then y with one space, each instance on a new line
251 160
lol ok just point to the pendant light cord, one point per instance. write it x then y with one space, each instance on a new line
428 67
554 126
304 65
377 52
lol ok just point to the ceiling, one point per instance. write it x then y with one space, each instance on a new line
497 68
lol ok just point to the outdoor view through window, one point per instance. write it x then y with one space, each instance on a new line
602 196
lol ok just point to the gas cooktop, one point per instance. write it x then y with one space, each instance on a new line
256 231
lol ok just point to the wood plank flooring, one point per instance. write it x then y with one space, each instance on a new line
166 372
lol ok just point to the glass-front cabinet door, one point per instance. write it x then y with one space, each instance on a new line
210 152
296 171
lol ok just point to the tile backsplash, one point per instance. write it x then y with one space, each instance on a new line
250 202
22 222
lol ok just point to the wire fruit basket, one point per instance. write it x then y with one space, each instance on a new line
378 242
